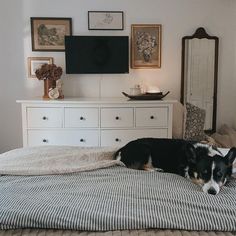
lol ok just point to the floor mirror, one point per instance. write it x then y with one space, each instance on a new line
199 74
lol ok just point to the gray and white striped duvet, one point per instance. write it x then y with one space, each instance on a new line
114 198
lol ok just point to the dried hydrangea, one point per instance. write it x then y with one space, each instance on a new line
49 71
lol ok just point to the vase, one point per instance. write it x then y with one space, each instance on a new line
147 57
47 85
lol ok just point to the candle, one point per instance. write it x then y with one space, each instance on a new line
153 89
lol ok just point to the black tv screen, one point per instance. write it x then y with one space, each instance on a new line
97 54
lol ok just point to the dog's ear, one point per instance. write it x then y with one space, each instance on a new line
191 153
231 155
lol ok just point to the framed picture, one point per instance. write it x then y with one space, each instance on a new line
48 34
105 20
35 63
146 46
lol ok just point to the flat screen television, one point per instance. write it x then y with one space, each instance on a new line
97 54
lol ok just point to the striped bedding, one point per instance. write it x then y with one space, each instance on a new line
145 232
114 198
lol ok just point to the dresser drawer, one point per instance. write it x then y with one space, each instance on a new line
63 137
44 117
122 137
117 117
151 117
81 117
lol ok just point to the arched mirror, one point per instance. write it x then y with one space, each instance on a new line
199 74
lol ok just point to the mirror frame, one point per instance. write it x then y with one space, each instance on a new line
200 33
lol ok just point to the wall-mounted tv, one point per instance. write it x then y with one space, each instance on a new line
97 54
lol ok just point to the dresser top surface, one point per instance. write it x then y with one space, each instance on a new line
104 100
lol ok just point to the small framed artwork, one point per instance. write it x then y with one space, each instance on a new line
105 20
48 34
145 46
35 63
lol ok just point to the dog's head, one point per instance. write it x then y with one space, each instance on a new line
210 169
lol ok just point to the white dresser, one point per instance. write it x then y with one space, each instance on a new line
94 122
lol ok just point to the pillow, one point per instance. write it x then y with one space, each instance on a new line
195 120
226 137
178 120
223 140
226 130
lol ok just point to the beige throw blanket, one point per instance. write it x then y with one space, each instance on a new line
47 160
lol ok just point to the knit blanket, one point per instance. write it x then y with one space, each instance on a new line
46 160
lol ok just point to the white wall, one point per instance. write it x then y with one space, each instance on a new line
178 18
12 77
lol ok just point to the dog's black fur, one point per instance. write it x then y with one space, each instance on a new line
201 164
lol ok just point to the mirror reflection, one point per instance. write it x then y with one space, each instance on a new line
199 74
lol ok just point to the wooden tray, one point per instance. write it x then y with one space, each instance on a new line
147 96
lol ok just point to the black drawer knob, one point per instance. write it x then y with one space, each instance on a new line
82 118
45 118
82 140
117 117
151 117
117 140
45 140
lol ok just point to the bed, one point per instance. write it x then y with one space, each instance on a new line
53 190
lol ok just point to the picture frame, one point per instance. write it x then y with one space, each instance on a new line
48 33
35 63
146 45
105 20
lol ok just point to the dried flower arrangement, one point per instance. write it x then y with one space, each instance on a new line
50 74
49 71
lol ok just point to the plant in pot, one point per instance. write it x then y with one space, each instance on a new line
49 73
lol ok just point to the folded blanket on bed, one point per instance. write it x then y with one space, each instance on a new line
46 160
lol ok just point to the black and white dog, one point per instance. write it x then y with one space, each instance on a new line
203 164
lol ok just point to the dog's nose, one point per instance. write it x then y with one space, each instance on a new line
211 191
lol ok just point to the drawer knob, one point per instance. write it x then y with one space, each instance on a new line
117 140
82 140
151 117
82 118
117 117
45 118
45 141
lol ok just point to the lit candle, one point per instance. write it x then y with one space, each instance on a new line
153 89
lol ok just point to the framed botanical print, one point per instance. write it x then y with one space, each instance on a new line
146 46
35 63
48 34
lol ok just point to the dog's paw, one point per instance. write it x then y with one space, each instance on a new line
149 169
154 169
158 169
